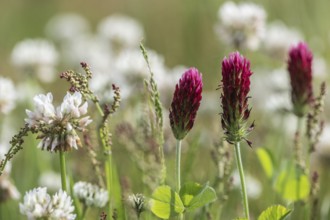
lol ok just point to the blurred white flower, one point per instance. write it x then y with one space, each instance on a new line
7 189
271 91
279 38
38 204
61 207
241 25
319 68
51 180
122 31
35 203
8 95
131 63
323 147
253 186
90 49
36 56
90 194
58 126
66 27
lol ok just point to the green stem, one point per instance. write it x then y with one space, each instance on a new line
178 169
84 212
63 170
243 184
178 165
108 174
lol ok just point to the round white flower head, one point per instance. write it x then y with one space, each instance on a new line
66 27
7 189
37 56
35 203
90 194
7 95
61 207
279 39
57 126
122 31
241 25
38 204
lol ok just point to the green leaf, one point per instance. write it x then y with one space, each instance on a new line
240 219
266 161
166 203
292 184
276 212
195 196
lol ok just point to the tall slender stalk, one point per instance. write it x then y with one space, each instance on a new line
178 169
63 170
108 162
178 165
241 175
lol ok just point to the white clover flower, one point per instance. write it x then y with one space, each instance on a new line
57 126
241 25
279 39
7 189
35 203
61 207
44 111
90 194
121 31
66 27
39 204
8 95
37 56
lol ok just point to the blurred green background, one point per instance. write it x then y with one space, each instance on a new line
182 31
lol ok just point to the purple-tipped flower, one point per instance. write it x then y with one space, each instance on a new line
185 103
300 70
234 99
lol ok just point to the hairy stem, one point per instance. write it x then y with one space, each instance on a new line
242 177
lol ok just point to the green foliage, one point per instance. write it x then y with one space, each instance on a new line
276 212
292 184
194 195
166 203
266 161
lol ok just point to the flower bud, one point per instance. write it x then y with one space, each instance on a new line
234 99
185 103
300 70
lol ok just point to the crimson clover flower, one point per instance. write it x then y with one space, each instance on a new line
300 70
234 99
185 103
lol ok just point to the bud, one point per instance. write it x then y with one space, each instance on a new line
185 103
300 70
234 99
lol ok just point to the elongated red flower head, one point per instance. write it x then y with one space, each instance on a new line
234 99
185 103
300 70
